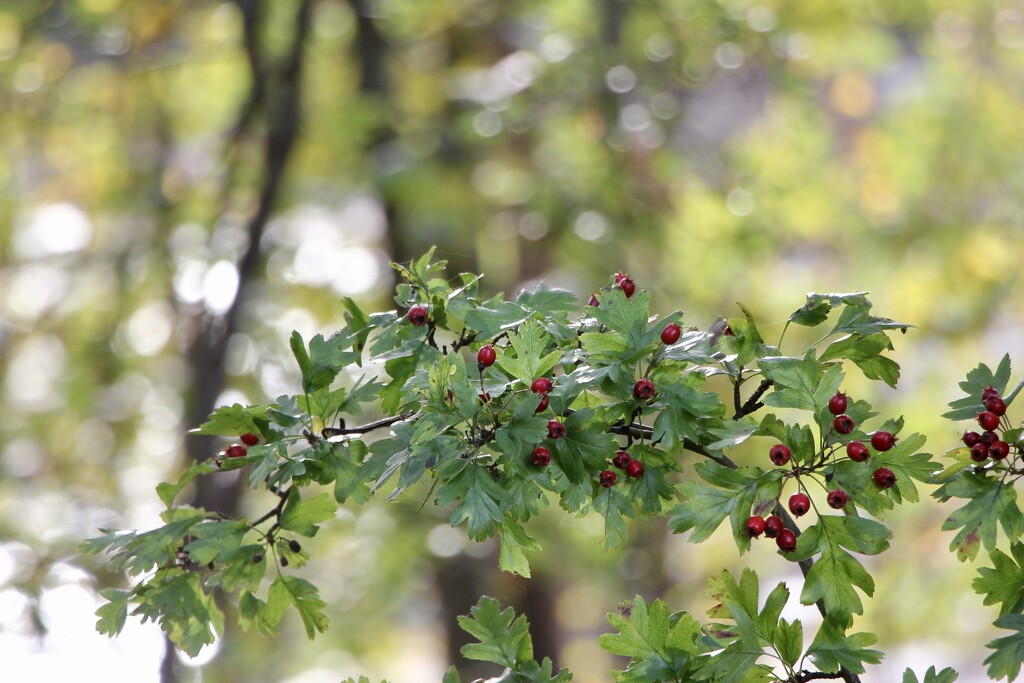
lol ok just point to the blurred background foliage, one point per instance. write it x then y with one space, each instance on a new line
183 182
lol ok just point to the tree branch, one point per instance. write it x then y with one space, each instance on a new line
328 432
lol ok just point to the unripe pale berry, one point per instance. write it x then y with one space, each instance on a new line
837 499
755 526
843 424
837 404
786 541
857 451
621 459
417 315
249 439
780 454
882 441
988 420
884 477
541 456
556 430
635 469
608 478
541 385
671 333
799 504
644 389
486 356
773 526
235 451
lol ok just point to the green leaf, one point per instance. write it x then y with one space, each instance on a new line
1003 583
186 613
682 408
989 502
908 465
304 597
216 541
504 638
626 316
242 571
304 516
114 613
529 361
495 317
660 646
233 420
514 540
611 504
833 649
865 352
796 381
979 379
585 447
1009 650
789 641
168 492
746 342
482 501
947 675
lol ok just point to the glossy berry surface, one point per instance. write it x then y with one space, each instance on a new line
644 389
235 451
773 526
988 438
998 450
843 424
417 315
799 504
543 405
249 439
486 356
541 456
628 286
671 334
882 441
635 469
989 393
755 526
786 541
780 454
619 277
988 420
979 452
837 499
485 397
608 478
884 477
837 404
556 430
541 385
593 301
996 406
857 451
621 459
971 438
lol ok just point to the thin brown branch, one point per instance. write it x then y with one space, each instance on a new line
753 402
328 432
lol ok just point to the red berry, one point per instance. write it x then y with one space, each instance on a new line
884 477
635 469
644 389
755 526
235 451
543 405
988 393
780 454
857 451
486 356
837 404
882 441
988 438
837 499
417 315
773 526
988 420
541 456
799 504
998 450
619 277
621 459
786 541
556 430
996 405
979 452
843 424
485 397
971 438
249 439
670 335
541 385
628 286
593 301
608 478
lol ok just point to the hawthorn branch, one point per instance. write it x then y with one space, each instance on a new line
328 432
753 402
804 676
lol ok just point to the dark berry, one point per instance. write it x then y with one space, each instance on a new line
628 286
257 558
284 561
843 424
837 499
644 389
635 469
979 452
541 385
670 335
989 393
619 277
486 356
608 478
882 441
837 404
485 397
556 430
786 541
249 439
971 438
621 459
235 451
988 420
998 450
780 454
541 456
884 477
988 438
857 451
417 315
755 526
543 405
593 301
294 546
996 406
773 526
799 504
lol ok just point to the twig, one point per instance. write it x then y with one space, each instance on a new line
328 432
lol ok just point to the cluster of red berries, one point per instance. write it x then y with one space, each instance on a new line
237 450
773 527
633 468
988 444
623 282
543 386
881 441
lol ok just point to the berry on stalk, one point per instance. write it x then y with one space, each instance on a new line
621 459
857 451
486 356
989 393
541 385
780 454
996 406
837 499
235 451
417 315
884 477
541 456
670 335
971 438
988 438
556 430
998 450
988 420
543 405
773 526
608 478
979 452
837 404
635 469
755 526
799 504
882 441
786 541
628 286
843 424
644 389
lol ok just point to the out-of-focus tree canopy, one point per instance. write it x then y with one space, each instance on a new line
182 183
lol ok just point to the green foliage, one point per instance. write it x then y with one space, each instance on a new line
505 640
